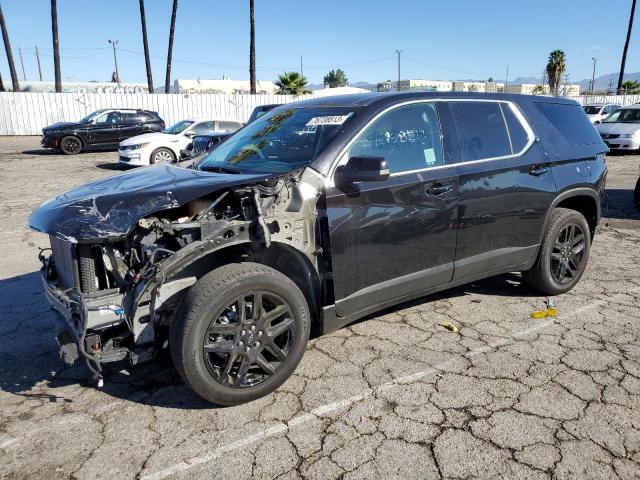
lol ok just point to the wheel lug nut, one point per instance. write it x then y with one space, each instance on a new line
260 333
257 344
240 343
253 327
247 349
243 332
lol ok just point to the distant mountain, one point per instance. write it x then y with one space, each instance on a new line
610 79
521 80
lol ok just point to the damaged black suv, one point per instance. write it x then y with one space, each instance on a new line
317 214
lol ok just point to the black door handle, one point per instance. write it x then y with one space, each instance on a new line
439 189
537 171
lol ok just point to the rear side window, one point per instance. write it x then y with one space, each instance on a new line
571 122
129 117
481 130
517 134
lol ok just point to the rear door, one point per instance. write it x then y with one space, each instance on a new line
130 125
392 238
505 188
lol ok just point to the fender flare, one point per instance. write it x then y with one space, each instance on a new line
573 192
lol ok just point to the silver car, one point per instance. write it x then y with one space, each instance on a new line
621 130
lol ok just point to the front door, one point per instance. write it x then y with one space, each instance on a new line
104 130
390 239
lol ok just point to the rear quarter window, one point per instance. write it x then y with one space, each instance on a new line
517 134
571 122
481 130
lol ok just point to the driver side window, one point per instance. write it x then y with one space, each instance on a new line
110 118
407 137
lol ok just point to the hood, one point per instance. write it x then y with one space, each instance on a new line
148 137
110 208
60 125
618 128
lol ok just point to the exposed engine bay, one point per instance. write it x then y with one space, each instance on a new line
119 295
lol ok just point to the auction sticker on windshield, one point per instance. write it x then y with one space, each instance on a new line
328 120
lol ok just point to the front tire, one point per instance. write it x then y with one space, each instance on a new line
636 194
70 145
240 333
162 156
563 254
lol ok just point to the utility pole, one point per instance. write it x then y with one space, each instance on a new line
399 52
506 80
115 58
301 69
566 84
626 46
593 76
38 60
610 89
24 75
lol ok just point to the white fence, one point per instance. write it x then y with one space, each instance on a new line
27 113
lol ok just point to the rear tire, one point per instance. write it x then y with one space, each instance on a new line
162 156
70 145
636 194
239 333
563 254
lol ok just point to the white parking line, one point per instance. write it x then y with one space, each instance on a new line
322 410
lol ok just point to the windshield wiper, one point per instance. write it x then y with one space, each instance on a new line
220 169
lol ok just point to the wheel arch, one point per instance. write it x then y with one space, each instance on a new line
583 200
279 256
77 135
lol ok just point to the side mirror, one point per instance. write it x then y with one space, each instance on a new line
362 169
189 134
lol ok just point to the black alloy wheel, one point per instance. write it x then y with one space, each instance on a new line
249 340
563 254
567 254
70 145
239 333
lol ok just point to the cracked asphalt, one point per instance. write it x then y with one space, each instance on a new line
392 396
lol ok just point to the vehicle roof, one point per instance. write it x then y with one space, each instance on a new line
635 106
374 98
211 119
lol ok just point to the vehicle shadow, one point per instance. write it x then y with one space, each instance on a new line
114 166
619 204
42 151
31 367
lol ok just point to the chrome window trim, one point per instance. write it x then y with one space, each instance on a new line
341 159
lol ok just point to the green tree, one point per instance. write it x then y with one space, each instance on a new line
556 67
336 78
631 87
538 90
291 83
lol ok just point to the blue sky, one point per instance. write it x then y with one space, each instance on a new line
440 39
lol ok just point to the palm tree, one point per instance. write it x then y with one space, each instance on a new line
167 79
631 87
626 45
291 83
252 49
145 44
7 47
555 69
56 45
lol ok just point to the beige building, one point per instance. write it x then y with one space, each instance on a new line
432 85
532 89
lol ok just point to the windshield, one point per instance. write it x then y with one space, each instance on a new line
278 142
624 115
592 109
91 116
179 127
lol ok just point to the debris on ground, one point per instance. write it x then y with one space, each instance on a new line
449 326
550 311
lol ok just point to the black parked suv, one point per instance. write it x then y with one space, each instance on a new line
315 215
101 129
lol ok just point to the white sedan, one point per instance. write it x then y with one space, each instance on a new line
164 147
